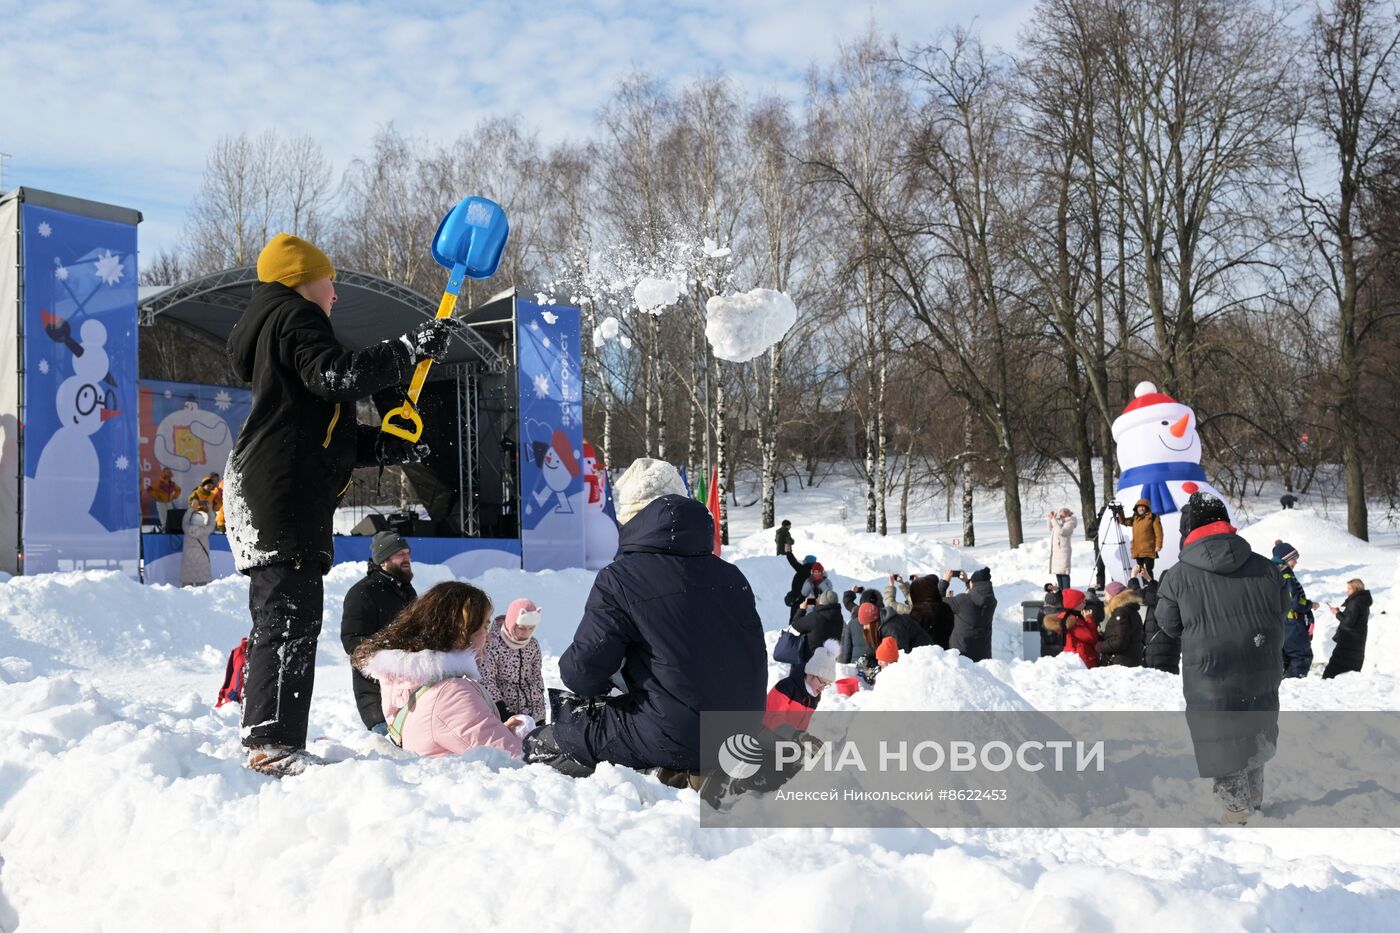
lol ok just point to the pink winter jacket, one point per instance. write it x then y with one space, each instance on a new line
451 717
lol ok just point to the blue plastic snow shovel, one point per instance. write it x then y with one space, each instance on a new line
469 241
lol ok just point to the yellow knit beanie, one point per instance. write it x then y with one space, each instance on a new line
292 261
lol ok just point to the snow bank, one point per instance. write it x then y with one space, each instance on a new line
741 327
123 805
656 295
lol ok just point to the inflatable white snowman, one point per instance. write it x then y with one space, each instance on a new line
1159 452
59 497
599 528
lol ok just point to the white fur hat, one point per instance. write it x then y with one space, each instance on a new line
645 481
823 661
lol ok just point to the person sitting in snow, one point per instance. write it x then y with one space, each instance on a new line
793 699
886 654
672 624
1147 536
1352 618
513 666
1080 634
370 605
427 663
1227 604
291 464
1121 645
1298 618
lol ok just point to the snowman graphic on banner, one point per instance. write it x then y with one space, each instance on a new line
599 521
1159 453
59 496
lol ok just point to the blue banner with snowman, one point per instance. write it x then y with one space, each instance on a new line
81 505
552 481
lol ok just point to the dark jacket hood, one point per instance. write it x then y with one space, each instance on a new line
243 339
670 525
1360 599
1223 553
925 590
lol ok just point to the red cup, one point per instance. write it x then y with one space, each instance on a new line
847 686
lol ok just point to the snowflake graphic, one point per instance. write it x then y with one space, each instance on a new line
545 341
109 268
535 326
549 317
61 273
167 393
222 400
44 367
122 462
45 230
541 386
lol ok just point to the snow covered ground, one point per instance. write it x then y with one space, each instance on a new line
123 804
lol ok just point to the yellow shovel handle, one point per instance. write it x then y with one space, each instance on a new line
415 388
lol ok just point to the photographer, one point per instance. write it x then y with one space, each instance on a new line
973 612
1147 535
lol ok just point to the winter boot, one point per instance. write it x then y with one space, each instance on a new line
280 760
1230 817
1256 788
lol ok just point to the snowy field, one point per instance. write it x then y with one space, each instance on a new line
124 805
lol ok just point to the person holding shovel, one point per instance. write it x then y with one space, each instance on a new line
292 463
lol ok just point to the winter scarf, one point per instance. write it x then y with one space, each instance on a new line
1154 478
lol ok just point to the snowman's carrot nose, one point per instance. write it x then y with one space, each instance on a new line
109 413
1179 428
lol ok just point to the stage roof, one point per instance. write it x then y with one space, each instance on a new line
368 309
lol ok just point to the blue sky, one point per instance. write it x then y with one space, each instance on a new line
120 101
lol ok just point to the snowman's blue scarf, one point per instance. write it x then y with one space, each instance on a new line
1153 477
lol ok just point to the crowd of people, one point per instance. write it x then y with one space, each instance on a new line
441 672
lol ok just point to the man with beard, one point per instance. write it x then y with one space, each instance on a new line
371 604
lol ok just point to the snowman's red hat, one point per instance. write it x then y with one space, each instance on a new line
1147 405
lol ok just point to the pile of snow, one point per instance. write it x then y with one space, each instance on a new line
656 295
741 327
124 805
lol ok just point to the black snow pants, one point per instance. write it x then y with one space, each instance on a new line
285 602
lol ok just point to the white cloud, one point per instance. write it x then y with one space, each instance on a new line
121 101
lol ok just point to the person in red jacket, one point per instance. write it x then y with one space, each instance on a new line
1081 635
793 699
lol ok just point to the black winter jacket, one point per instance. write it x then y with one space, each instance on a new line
906 633
1160 651
1121 644
1353 618
973 613
681 625
822 624
1227 605
370 604
295 454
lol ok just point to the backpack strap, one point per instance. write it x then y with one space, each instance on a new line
395 732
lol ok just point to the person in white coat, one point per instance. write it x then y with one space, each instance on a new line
197 525
1062 525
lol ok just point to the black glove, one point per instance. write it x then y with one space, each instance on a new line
389 450
432 339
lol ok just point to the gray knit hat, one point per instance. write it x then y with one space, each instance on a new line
384 545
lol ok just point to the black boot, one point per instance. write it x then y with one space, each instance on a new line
541 748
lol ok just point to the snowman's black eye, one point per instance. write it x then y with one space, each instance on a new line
1163 422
